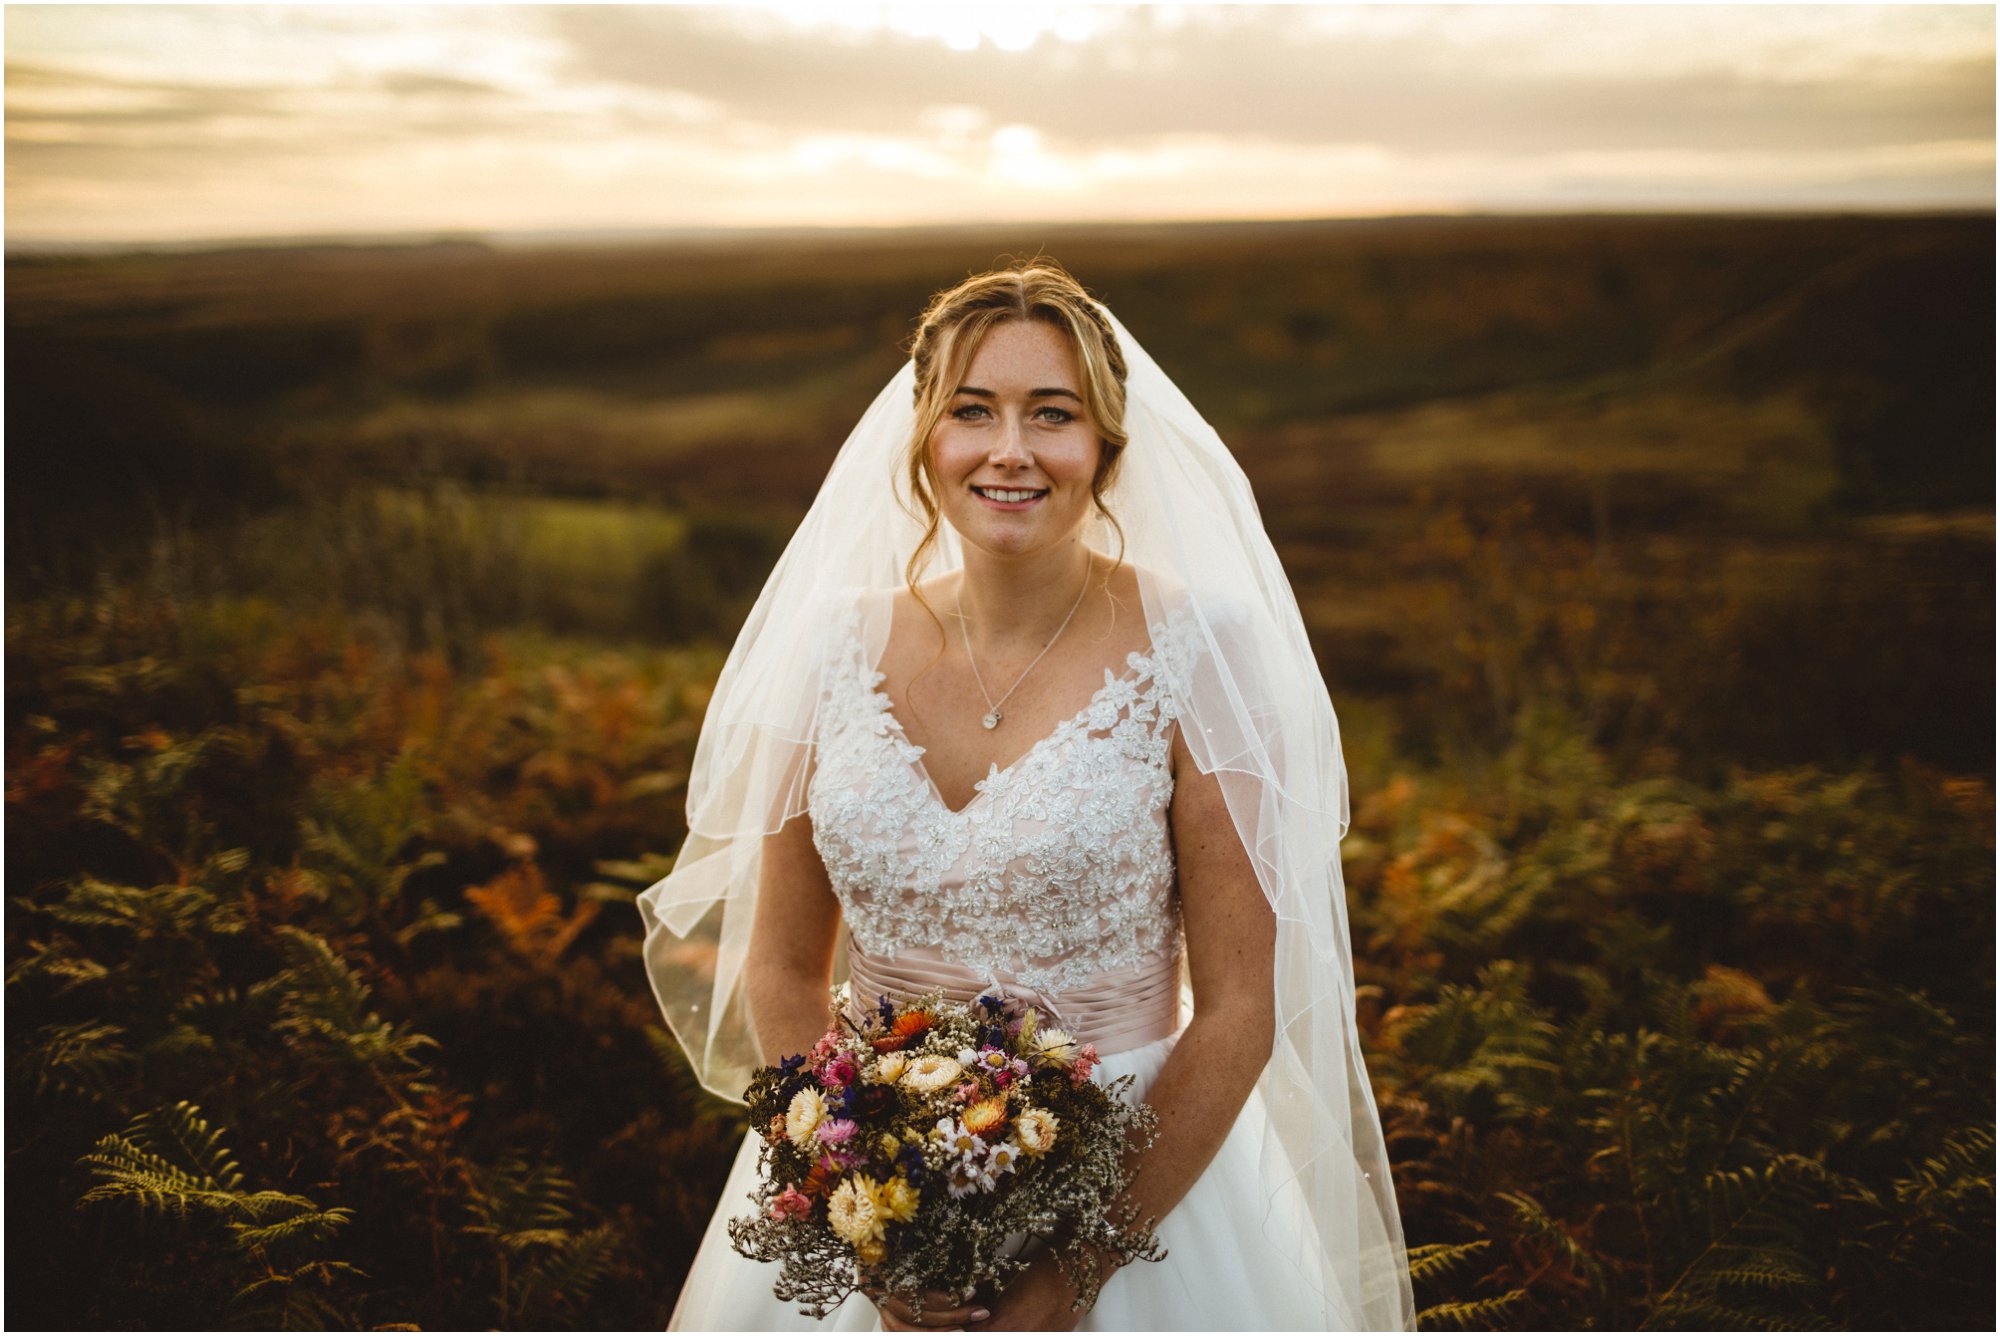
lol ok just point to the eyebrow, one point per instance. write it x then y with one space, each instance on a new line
1032 394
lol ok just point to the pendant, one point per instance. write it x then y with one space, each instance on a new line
992 720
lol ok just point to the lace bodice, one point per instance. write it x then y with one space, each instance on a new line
1061 866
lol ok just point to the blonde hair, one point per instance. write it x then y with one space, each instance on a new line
952 328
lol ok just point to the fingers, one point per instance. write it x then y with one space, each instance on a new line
938 1315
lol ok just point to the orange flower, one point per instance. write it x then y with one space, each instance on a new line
821 1180
909 1027
986 1115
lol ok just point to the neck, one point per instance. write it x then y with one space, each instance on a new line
1020 601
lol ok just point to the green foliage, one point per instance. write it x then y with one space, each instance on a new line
547 1270
1672 1052
170 1161
338 962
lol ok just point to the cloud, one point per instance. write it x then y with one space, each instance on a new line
171 121
1277 76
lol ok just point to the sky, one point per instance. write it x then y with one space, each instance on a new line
164 123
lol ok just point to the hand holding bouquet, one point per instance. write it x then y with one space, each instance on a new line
915 1151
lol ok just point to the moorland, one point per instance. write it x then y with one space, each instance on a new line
363 602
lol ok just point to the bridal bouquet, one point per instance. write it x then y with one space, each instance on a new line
919 1150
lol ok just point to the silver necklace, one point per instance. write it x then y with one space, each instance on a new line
993 715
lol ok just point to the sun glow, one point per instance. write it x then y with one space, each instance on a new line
134 122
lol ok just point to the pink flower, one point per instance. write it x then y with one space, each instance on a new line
836 1131
791 1204
966 1093
840 1071
1085 1060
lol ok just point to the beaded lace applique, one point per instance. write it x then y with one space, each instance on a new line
1061 865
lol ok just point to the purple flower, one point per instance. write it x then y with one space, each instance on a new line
835 1131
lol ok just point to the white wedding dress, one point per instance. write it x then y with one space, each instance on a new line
1056 882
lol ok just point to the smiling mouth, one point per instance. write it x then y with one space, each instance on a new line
1011 495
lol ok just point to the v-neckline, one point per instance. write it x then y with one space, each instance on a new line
994 769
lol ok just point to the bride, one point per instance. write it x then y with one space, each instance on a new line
1027 705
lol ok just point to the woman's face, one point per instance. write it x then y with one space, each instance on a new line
1014 452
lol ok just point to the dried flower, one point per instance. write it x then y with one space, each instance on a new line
819 1179
931 1073
904 1031
898 1199
835 1131
791 1204
807 1112
851 1210
1055 1046
1085 1061
986 1115
1037 1130
903 1159
959 1139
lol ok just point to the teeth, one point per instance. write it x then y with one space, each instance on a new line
1009 496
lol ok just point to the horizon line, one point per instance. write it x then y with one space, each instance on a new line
502 238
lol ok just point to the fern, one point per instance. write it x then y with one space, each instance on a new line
518 1204
1473 1313
1962 1169
169 1160
288 1300
1756 1221
1537 1225
306 1223
80 1058
176 910
562 1282
55 961
321 996
360 830
1433 1261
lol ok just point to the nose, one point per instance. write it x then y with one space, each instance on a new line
1011 448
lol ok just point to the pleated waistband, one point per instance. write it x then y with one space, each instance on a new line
1115 1010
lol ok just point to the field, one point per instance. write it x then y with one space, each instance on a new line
363 604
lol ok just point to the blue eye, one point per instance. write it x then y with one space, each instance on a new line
1060 414
967 410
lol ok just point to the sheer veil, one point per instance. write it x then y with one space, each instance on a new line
1255 712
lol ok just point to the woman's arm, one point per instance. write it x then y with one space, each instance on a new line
790 963
1231 940
788 973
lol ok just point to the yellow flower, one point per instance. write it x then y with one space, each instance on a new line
871 1251
890 1068
807 1112
1037 1130
897 1200
932 1073
851 1211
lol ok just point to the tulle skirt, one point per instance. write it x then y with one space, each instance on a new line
1220 1273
